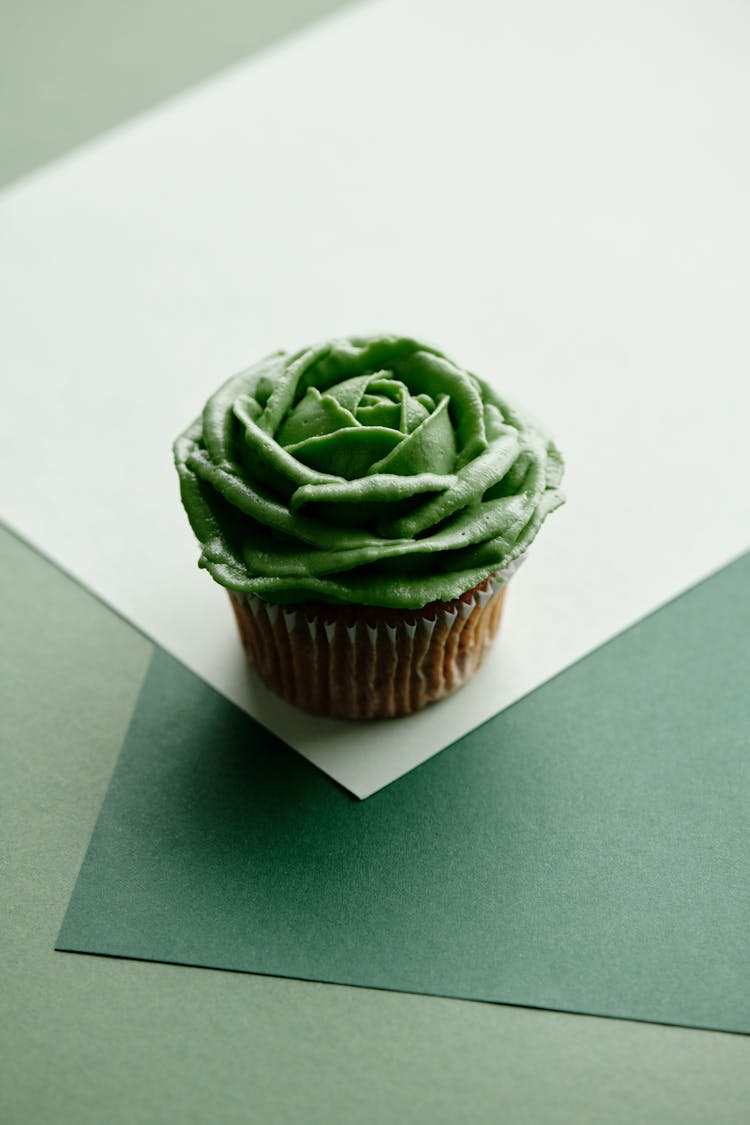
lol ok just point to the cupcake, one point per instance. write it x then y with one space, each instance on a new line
364 502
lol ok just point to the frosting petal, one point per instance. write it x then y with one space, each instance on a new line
371 470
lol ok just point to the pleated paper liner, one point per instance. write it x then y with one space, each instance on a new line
366 662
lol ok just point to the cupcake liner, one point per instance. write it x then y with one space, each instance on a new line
362 662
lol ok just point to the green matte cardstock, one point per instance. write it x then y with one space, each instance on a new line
588 850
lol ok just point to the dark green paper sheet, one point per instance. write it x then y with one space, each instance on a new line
588 850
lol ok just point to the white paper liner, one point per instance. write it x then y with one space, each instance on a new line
368 663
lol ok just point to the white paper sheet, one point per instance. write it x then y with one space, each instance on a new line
555 194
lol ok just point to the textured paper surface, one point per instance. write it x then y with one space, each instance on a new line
556 195
588 850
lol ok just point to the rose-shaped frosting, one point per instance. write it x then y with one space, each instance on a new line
368 470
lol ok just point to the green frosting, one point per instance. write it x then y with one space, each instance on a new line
368 470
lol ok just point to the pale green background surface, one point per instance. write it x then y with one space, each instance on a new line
69 69
85 1039
89 1039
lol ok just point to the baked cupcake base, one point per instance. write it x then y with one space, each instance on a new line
365 662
